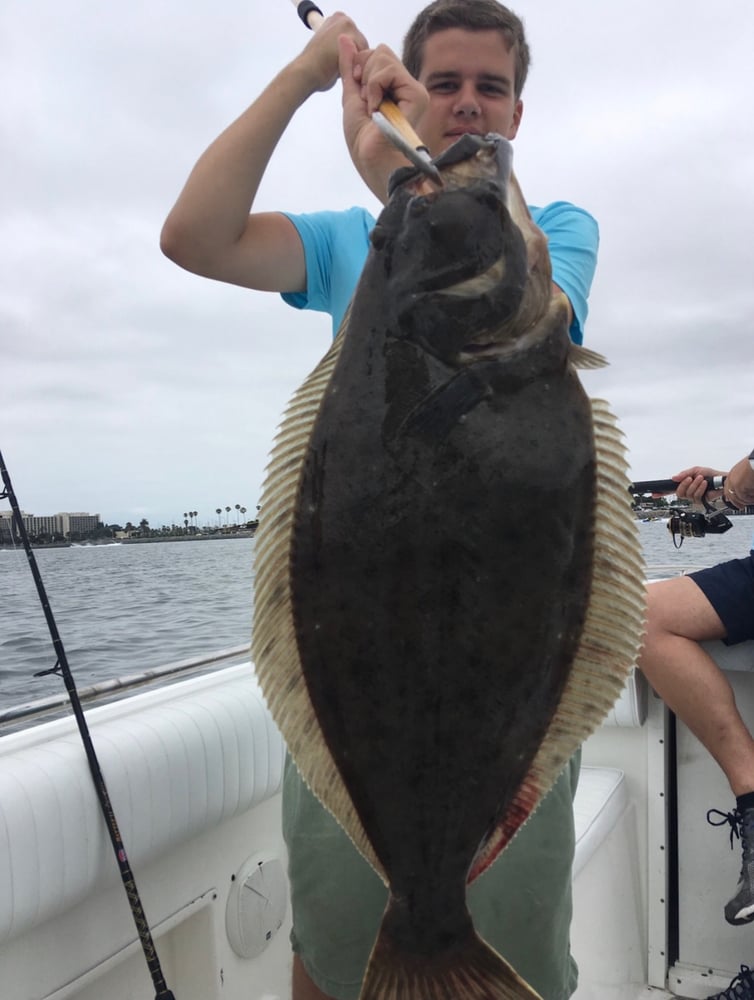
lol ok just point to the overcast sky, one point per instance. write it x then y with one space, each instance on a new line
133 389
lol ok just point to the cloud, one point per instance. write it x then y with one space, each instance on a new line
131 388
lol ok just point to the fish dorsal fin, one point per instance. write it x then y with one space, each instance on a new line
610 640
582 357
274 645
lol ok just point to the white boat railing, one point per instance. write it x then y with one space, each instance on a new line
41 709
194 771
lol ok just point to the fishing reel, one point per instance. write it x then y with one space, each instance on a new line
693 524
687 523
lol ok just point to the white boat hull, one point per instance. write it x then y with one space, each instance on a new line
194 771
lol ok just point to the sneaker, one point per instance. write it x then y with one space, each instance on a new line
741 986
740 909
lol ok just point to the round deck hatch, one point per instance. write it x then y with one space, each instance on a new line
256 906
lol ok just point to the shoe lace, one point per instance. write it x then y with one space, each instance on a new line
741 986
736 822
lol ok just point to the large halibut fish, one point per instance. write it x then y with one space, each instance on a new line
449 583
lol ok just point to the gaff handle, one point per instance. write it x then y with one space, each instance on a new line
393 122
665 486
310 14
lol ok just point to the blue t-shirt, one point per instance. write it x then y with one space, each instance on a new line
336 246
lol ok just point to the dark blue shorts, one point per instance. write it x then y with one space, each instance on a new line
729 587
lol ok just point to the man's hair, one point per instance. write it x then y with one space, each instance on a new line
471 15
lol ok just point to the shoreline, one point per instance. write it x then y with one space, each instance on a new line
177 538
132 541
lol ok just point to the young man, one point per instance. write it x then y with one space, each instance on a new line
715 603
471 59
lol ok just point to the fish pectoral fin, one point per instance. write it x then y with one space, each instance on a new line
438 413
582 357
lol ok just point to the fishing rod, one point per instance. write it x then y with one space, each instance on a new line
686 524
389 118
661 487
62 669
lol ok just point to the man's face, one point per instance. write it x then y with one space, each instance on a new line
469 76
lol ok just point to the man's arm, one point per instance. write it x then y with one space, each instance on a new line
739 483
368 77
210 230
573 242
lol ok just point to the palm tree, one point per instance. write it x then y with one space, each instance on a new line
218 511
227 513
238 514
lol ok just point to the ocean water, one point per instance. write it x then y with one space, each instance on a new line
122 609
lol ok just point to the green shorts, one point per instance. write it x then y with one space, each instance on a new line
521 905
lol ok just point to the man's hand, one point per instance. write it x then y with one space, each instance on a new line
370 75
738 489
692 484
320 58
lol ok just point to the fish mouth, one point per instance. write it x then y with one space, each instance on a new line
456 237
478 284
476 172
455 259
470 158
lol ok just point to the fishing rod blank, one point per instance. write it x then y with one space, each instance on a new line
665 486
62 669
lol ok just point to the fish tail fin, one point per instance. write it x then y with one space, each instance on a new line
469 971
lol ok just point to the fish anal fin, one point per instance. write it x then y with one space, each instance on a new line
610 640
526 801
470 970
274 643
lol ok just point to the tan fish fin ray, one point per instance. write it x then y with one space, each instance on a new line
610 641
471 971
273 646
583 357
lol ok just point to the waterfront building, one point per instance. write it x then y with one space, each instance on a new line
78 523
64 524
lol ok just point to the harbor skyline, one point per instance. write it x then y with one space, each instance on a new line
68 525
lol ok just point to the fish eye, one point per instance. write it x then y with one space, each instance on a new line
418 207
489 194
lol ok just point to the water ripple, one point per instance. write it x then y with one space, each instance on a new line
121 609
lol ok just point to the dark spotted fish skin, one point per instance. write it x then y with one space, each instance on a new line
441 549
